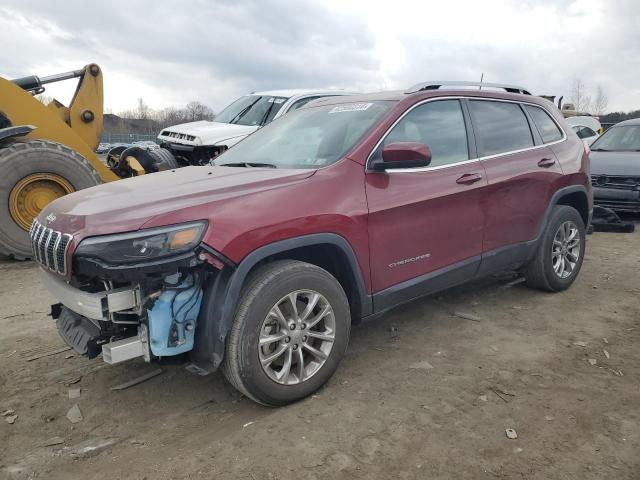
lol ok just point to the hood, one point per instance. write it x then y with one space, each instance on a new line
126 205
615 163
205 132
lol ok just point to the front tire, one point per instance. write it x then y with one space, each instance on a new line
560 253
289 334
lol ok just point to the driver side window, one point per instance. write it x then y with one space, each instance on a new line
440 125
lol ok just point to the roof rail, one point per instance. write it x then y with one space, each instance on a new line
436 84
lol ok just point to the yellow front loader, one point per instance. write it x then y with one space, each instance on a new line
47 151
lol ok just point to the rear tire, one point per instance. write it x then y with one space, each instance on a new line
29 165
560 252
312 349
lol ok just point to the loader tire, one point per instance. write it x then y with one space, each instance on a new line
32 174
164 159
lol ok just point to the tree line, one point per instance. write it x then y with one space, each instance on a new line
584 102
597 104
165 117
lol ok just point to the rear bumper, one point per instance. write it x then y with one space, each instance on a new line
96 306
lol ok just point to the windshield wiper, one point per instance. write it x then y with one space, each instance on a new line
248 165
266 114
243 112
600 150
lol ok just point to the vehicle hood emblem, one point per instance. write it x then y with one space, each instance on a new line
51 218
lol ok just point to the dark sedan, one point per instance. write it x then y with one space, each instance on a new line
615 167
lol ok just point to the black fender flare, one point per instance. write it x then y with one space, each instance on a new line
555 198
222 294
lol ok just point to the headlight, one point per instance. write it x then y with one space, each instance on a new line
144 244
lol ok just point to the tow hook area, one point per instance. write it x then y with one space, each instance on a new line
125 349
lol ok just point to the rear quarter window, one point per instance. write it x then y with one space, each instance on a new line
547 128
501 126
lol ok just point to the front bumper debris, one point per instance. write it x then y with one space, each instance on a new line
616 192
125 349
96 306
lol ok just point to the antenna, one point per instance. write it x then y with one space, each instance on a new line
481 78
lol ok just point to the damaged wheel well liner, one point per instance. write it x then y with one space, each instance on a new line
326 250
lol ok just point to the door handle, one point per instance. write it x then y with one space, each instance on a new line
546 162
469 178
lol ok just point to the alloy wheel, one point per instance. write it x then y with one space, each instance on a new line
565 250
296 337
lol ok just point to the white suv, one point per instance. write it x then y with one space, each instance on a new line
196 143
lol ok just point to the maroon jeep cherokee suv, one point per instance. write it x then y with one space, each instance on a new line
337 212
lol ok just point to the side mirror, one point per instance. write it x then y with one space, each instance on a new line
403 155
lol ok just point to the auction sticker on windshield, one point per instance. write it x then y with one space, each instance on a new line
350 107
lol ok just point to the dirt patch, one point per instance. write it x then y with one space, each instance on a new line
422 393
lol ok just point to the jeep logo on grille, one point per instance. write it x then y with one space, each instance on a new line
51 218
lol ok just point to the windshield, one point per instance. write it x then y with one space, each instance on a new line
625 138
307 138
254 110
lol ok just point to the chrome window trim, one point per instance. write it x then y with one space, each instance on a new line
426 169
477 159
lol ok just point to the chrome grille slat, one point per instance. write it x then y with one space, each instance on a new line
53 239
55 251
61 253
50 247
36 243
42 246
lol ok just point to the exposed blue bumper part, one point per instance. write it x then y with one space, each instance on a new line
173 317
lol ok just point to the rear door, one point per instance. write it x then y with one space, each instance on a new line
427 220
521 171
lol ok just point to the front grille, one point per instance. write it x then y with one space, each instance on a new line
49 247
618 182
176 135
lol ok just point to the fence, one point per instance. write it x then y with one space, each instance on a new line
126 137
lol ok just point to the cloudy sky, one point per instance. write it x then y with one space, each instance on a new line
170 52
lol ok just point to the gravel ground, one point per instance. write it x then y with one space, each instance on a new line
422 393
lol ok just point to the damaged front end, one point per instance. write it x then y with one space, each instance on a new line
190 155
135 294
617 192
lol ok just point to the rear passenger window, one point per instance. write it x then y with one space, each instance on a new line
440 125
501 126
547 128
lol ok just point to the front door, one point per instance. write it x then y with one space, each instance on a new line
426 224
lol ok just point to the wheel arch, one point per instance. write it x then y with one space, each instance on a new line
578 199
575 196
326 250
